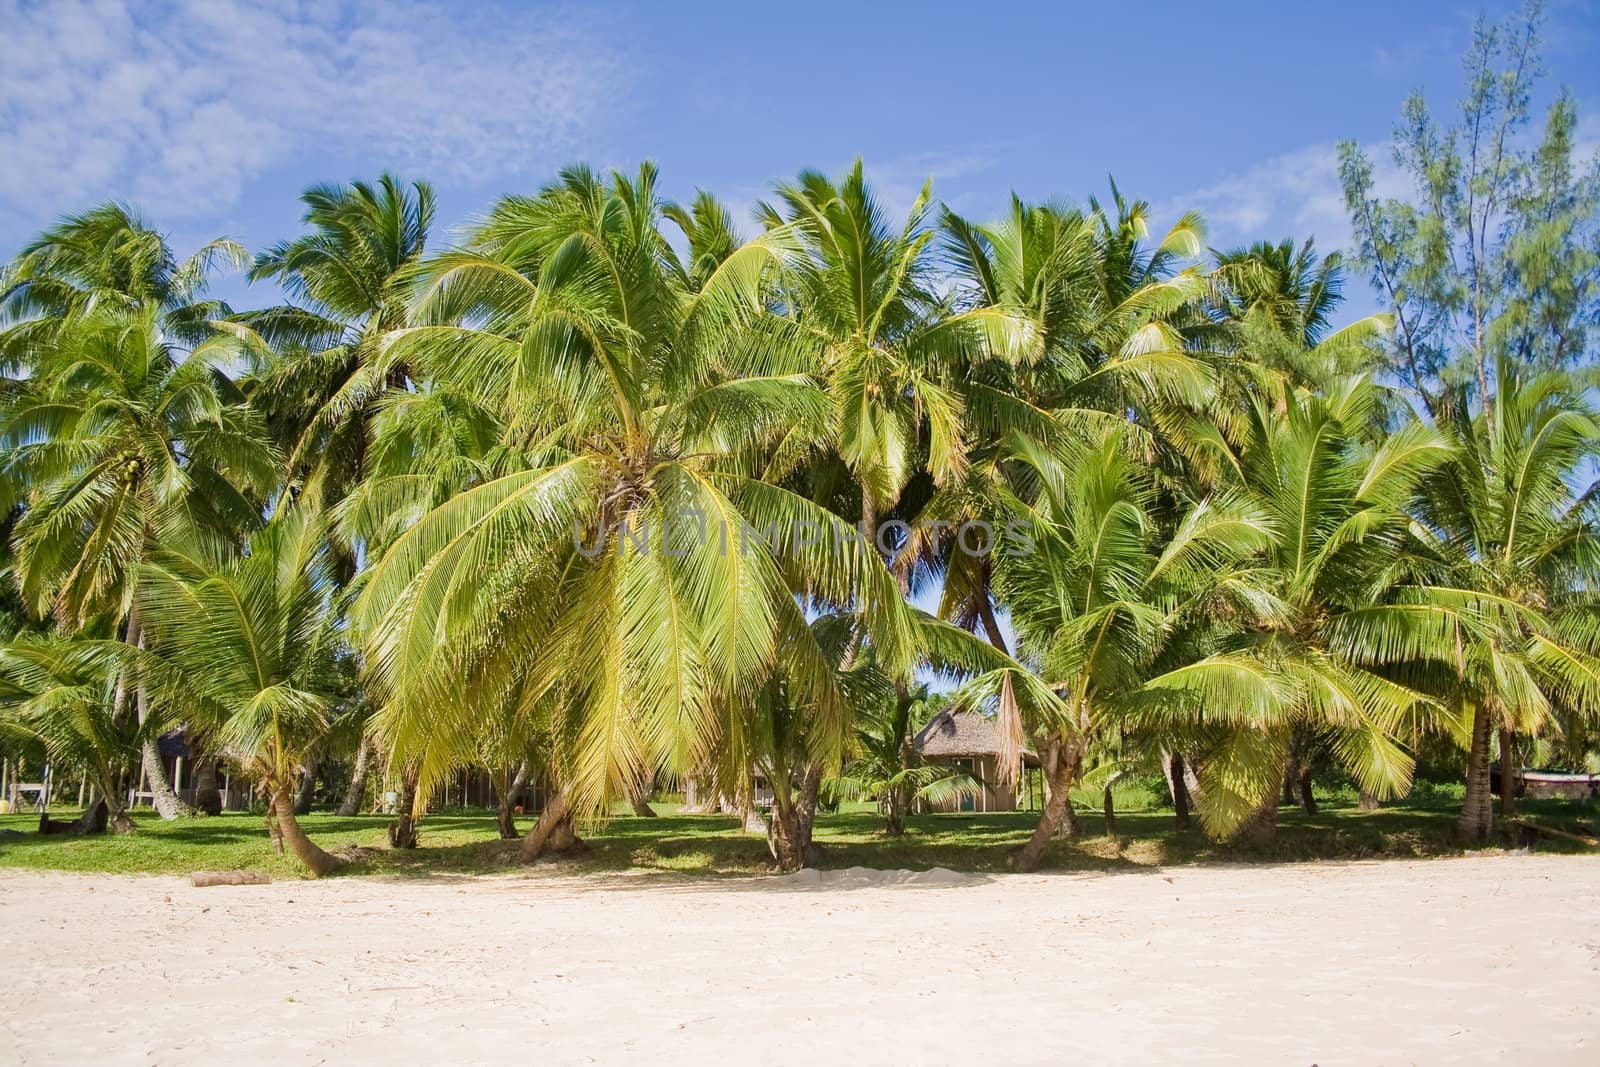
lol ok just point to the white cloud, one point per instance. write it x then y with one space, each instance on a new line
176 107
898 181
1292 195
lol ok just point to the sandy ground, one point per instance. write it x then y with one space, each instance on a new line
1467 960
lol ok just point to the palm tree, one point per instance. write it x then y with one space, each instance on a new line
254 646
1298 290
884 767
109 262
1113 312
1336 618
321 364
1103 594
119 443
61 692
619 381
884 345
1509 532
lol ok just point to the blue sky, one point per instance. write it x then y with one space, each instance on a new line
212 115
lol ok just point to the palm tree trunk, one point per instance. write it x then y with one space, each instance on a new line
308 786
403 831
785 838
105 781
304 849
357 790
507 788
1056 756
553 832
869 520
207 797
1476 821
810 792
894 819
1510 775
274 831
167 803
1307 800
1262 824
1109 805
901 797
519 784
1180 789
1368 801
1056 806
789 824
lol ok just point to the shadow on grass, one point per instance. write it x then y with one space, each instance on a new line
673 847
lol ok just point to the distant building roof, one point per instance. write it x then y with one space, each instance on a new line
958 733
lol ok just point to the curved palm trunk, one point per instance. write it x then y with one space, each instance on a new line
784 839
167 803
105 782
1056 806
303 848
1476 821
1262 825
508 788
553 832
1058 756
357 790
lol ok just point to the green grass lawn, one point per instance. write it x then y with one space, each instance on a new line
465 842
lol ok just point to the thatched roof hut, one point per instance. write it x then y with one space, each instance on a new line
971 742
957 733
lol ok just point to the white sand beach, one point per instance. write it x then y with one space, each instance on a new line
1467 960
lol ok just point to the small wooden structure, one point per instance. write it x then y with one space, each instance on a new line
970 743
41 790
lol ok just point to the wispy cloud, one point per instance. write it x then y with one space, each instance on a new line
1291 195
898 180
179 106
1297 194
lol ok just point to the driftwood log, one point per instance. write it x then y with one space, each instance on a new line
201 879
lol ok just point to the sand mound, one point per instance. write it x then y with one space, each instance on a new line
872 878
